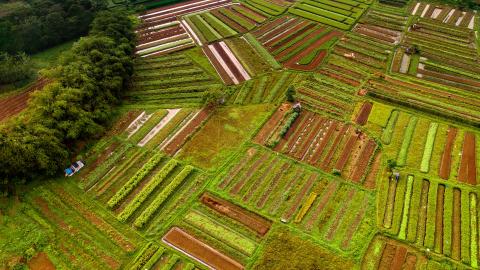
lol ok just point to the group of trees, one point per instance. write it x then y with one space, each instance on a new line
40 24
14 68
88 81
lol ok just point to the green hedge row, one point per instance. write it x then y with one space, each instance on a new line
135 180
146 191
152 208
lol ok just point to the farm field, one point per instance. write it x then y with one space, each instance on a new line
267 134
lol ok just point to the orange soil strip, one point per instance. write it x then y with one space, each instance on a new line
185 133
218 67
354 225
249 174
272 123
347 150
362 116
333 148
363 160
422 215
13 105
336 222
327 195
266 194
387 257
250 153
468 170
291 37
410 262
300 196
439 219
317 153
247 218
200 251
371 178
445 163
400 255
456 224
41 262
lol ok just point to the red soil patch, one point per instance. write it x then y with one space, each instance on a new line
13 105
269 26
291 37
277 33
161 34
343 132
445 163
228 61
293 128
410 262
200 251
41 262
468 170
298 44
363 160
247 218
347 150
298 28
387 257
308 185
218 67
272 123
456 224
300 130
362 116
321 147
310 139
182 136
400 255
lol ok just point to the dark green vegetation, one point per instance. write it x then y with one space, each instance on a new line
265 134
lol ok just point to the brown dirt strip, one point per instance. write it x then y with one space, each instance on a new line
300 131
317 129
363 160
422 214
390 203
337 107
468 170
336 222
250 219
168 51
166 40
328 158
371 178
13 105
410 262
439 219
183 135
278 33
347 150
259 181
293 128
387 257
178 13
399 259
376 35
164 33
287 35
346 71
40 262
291 37
298 44
339 78
218 67
317 139
298 200
456 225
326 196
103 156
241 15
272 123
266 194
269 26
200 251
317 153
312 65
253 12
144 27
250 153
449 77
248 175
362 116
355 224
318 59
236 26
228 61
303 136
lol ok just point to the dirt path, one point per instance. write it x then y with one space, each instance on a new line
362 116
468 170
188 244
445 163
171 113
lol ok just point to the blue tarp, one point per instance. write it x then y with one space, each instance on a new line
68 171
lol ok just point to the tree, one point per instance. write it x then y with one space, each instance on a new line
290 94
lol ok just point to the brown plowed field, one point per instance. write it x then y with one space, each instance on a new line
362 116
468 169
249 219
269 26
218 67
200 251
13 105
272 123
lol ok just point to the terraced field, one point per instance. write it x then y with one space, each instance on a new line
273 134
